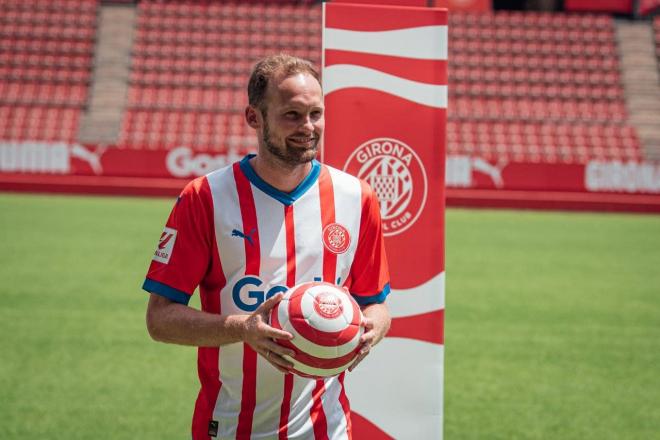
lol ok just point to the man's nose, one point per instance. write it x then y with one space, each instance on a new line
308 124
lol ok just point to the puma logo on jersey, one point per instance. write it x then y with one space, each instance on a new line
248 236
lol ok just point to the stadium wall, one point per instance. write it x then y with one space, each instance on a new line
471 180
614 6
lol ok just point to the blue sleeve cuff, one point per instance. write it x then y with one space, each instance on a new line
166 291
378 298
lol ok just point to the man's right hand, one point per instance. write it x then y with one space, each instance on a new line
259 335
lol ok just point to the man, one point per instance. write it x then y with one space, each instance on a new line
245 233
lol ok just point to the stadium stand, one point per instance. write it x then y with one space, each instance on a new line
553 78
46 52
162 81
537 87
190 64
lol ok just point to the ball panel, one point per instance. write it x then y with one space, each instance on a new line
275 323
327 332
325 364
305 303
325 351
318 373
306 346
302 327
356 315
273 317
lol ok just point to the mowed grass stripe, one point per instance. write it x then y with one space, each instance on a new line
552 324
77 361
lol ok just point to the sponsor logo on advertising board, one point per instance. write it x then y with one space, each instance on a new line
622 176
397 175
184 162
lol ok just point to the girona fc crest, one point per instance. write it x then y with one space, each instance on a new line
336 238
396 174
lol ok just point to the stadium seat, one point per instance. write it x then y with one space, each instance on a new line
531 85
553 79
46 51
190 65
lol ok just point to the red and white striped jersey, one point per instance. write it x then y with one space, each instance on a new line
241 240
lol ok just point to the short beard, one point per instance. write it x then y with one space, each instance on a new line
289 156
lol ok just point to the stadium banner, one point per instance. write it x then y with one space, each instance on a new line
463 5
418 3
35 158
616 6
647 7
451 5
60 158
597 175
385 85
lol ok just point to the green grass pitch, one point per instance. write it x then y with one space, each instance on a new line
552 324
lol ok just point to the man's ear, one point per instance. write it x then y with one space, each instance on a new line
252 117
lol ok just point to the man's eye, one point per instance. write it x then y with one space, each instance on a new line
291 115
316 115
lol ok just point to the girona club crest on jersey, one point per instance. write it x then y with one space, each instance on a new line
396 174
336 238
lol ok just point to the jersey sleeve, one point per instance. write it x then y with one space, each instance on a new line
369 279
183 254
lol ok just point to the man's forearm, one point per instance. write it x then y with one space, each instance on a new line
175 323
380 315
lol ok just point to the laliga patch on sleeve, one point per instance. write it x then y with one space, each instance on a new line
165 246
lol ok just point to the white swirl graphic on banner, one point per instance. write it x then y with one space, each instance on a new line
422 381
428 297
413 385
343 76
425 42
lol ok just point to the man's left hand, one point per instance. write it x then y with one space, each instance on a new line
376 323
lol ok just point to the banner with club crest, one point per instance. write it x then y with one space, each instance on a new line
385 84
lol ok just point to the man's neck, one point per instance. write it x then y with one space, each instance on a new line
283 177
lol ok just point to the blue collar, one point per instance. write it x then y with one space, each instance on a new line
285 198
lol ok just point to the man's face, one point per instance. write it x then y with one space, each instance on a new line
293 121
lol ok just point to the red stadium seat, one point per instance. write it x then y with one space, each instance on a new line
46 63
556 68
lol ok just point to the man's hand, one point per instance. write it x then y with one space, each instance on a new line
259 335
376 323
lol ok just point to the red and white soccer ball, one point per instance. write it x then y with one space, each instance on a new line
325 323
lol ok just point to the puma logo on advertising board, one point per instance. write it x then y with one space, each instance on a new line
492 171
460 169
93 158
47 157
